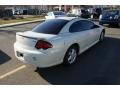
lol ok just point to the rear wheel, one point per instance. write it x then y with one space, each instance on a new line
70 56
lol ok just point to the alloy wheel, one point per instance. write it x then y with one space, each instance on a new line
72 54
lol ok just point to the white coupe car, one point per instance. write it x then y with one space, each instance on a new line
57 41
55 14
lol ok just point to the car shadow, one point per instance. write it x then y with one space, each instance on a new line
4 57
99 65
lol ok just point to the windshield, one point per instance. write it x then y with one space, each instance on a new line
52 26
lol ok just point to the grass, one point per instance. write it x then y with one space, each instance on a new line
30 18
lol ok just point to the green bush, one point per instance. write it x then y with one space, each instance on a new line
6 18
6 13
20 17
13 17
1 13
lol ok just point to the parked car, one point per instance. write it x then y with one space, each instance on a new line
55 14
76 11
18 12
57 41
85 14
97 12
110 17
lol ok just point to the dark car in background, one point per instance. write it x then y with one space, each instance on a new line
85 14
111 17
97 12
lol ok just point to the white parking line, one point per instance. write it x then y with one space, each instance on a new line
12 72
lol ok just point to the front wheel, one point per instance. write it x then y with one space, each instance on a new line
119 24
102 35
70 56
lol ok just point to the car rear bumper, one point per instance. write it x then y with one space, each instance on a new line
36 58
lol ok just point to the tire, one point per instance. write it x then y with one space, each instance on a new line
102 35
71 56
119 24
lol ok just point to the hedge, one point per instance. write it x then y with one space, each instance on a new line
6 13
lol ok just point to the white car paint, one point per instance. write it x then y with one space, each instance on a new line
25 44
76 11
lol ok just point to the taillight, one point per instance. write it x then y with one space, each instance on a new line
43 44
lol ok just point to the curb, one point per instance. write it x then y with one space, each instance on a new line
20 23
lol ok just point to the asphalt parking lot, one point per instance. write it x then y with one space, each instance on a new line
98 65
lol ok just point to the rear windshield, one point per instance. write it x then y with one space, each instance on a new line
59 13
114 12
52 26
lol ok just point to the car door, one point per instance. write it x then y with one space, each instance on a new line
96 32
93 29
81 31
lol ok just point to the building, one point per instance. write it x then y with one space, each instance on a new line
19 9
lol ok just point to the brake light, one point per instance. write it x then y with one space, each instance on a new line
43 44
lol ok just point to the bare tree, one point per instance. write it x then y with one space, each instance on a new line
2 6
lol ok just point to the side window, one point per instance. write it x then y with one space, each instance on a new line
81 25
75 27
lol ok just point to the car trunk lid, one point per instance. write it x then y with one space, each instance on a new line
29 39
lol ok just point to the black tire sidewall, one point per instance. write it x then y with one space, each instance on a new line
119 24
100 39
66 62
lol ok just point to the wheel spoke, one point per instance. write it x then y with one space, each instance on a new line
69 58
72 55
